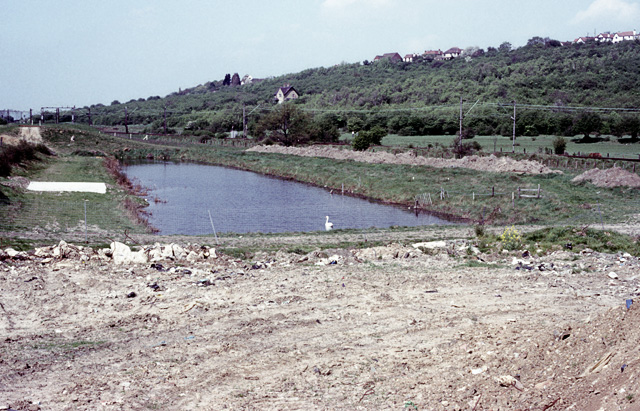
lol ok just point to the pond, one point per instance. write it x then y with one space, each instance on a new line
195 199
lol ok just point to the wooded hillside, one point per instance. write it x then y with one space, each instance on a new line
562 90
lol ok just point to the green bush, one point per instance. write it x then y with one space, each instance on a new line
559 145
361 142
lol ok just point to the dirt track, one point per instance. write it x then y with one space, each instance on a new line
385 327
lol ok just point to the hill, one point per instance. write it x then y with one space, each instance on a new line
561 90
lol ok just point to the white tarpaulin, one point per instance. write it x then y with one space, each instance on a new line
67 186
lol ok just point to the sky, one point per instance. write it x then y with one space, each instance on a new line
69 53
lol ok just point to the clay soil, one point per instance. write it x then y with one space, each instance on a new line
433 326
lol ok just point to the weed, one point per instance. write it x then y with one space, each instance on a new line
511 239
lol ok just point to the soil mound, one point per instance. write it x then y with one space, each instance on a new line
29 134
612 177
490 163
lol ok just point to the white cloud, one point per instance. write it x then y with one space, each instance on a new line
616 10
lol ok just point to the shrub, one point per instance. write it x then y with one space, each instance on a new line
376 134
361 142
559 145
510 239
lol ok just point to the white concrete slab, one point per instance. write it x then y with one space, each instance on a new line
100 188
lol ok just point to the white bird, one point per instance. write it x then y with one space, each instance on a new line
328 225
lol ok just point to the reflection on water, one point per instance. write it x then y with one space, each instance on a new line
242 201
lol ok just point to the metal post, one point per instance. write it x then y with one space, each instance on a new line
214 229
85 222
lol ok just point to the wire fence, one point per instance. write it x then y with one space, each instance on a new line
76 219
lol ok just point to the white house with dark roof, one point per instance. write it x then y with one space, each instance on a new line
452 53
286 93
604 38
624 36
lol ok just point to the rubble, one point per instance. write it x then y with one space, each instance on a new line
417 322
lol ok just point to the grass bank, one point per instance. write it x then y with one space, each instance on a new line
66 214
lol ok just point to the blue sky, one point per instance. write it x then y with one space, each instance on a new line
83 52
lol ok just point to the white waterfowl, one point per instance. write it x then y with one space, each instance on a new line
328 225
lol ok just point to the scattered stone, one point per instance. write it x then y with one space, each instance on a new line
509 381
122 254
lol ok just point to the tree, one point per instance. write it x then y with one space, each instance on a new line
355 124
505 47
235 80
286 124
587 123
227 79
630 125
536 42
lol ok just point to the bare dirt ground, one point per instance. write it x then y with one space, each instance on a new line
488 163
30 134
406 326
611 177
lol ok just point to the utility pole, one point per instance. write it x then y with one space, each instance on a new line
460 135
73 114
126 120
89 114
57 115
165 120
514 126
244 121
31 116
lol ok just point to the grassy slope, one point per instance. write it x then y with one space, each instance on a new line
59 212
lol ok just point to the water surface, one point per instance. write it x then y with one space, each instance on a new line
242 202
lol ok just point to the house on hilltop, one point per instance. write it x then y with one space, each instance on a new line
393 57
583 40
452 53
432 54
604 38
624 36
409 57
286 93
